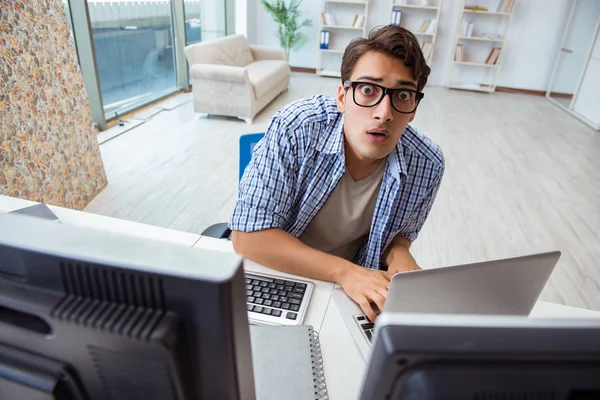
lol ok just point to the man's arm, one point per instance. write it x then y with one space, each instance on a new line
277 249
398 258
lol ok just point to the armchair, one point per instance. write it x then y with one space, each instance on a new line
232 78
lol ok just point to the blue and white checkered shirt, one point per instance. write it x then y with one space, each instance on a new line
299 162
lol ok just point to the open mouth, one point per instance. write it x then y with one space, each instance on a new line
377 135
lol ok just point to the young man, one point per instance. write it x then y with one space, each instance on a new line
339 188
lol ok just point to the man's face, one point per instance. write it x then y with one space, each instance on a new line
371 133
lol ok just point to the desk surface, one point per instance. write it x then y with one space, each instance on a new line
344 365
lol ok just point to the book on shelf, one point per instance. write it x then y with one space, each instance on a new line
505 6
327 19
431 27
458 53
476 8
425 26
493 56
359 21
466 29
426 49
396 17
324 40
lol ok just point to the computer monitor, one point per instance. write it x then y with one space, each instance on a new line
435 356
88 314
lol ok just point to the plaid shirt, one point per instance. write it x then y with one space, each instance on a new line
299 162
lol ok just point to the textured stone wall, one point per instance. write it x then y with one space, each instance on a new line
48 146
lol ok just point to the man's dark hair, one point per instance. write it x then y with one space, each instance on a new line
391 40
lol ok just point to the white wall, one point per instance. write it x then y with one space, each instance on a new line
530 50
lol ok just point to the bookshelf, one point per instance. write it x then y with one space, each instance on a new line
414 16
479 45
343 21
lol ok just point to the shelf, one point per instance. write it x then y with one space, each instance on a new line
415 6
362 3
332 51
341 27
485 12
476 64
330 73
481 39
477 88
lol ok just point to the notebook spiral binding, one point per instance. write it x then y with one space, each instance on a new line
317 361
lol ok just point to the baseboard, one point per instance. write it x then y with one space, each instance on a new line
522 91
302 69
532 92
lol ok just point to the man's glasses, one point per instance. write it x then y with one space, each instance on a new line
366 94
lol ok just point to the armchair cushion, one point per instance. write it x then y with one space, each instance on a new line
224 73
263 75
229 50
260 53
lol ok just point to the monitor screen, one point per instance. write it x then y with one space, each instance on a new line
89 314
441 356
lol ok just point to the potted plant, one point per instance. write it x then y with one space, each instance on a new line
286 14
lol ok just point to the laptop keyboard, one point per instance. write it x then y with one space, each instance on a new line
275 297
367 326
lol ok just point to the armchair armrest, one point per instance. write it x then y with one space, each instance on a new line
225 73
260 53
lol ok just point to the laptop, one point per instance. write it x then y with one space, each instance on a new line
500 287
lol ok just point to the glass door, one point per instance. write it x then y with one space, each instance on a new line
133 42
574 52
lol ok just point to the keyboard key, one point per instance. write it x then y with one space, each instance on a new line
361 318
279 281
368 325
259 301
258 309
296 296
291 315
266 311
283 293
285 306
255 282
302 285
369 335
273 291
251 299
268 303
258 295
248 280
272 285
264 284
265 290
277 304
279 287
290 283
299 289
249 292
294 307
295 301
283 299
276 313
274 297
289 288
249 287
250 307
266 296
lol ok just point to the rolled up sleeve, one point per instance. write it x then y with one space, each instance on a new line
266 190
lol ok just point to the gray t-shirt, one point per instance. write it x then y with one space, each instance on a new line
344 222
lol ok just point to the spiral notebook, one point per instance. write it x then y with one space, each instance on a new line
287 363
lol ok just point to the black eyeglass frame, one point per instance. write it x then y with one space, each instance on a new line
384 91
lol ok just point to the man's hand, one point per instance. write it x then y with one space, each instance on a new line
398 258
366 286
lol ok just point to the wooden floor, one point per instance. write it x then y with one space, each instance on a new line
522 176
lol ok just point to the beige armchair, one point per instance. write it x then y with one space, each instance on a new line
232 78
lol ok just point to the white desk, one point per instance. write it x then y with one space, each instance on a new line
344 365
